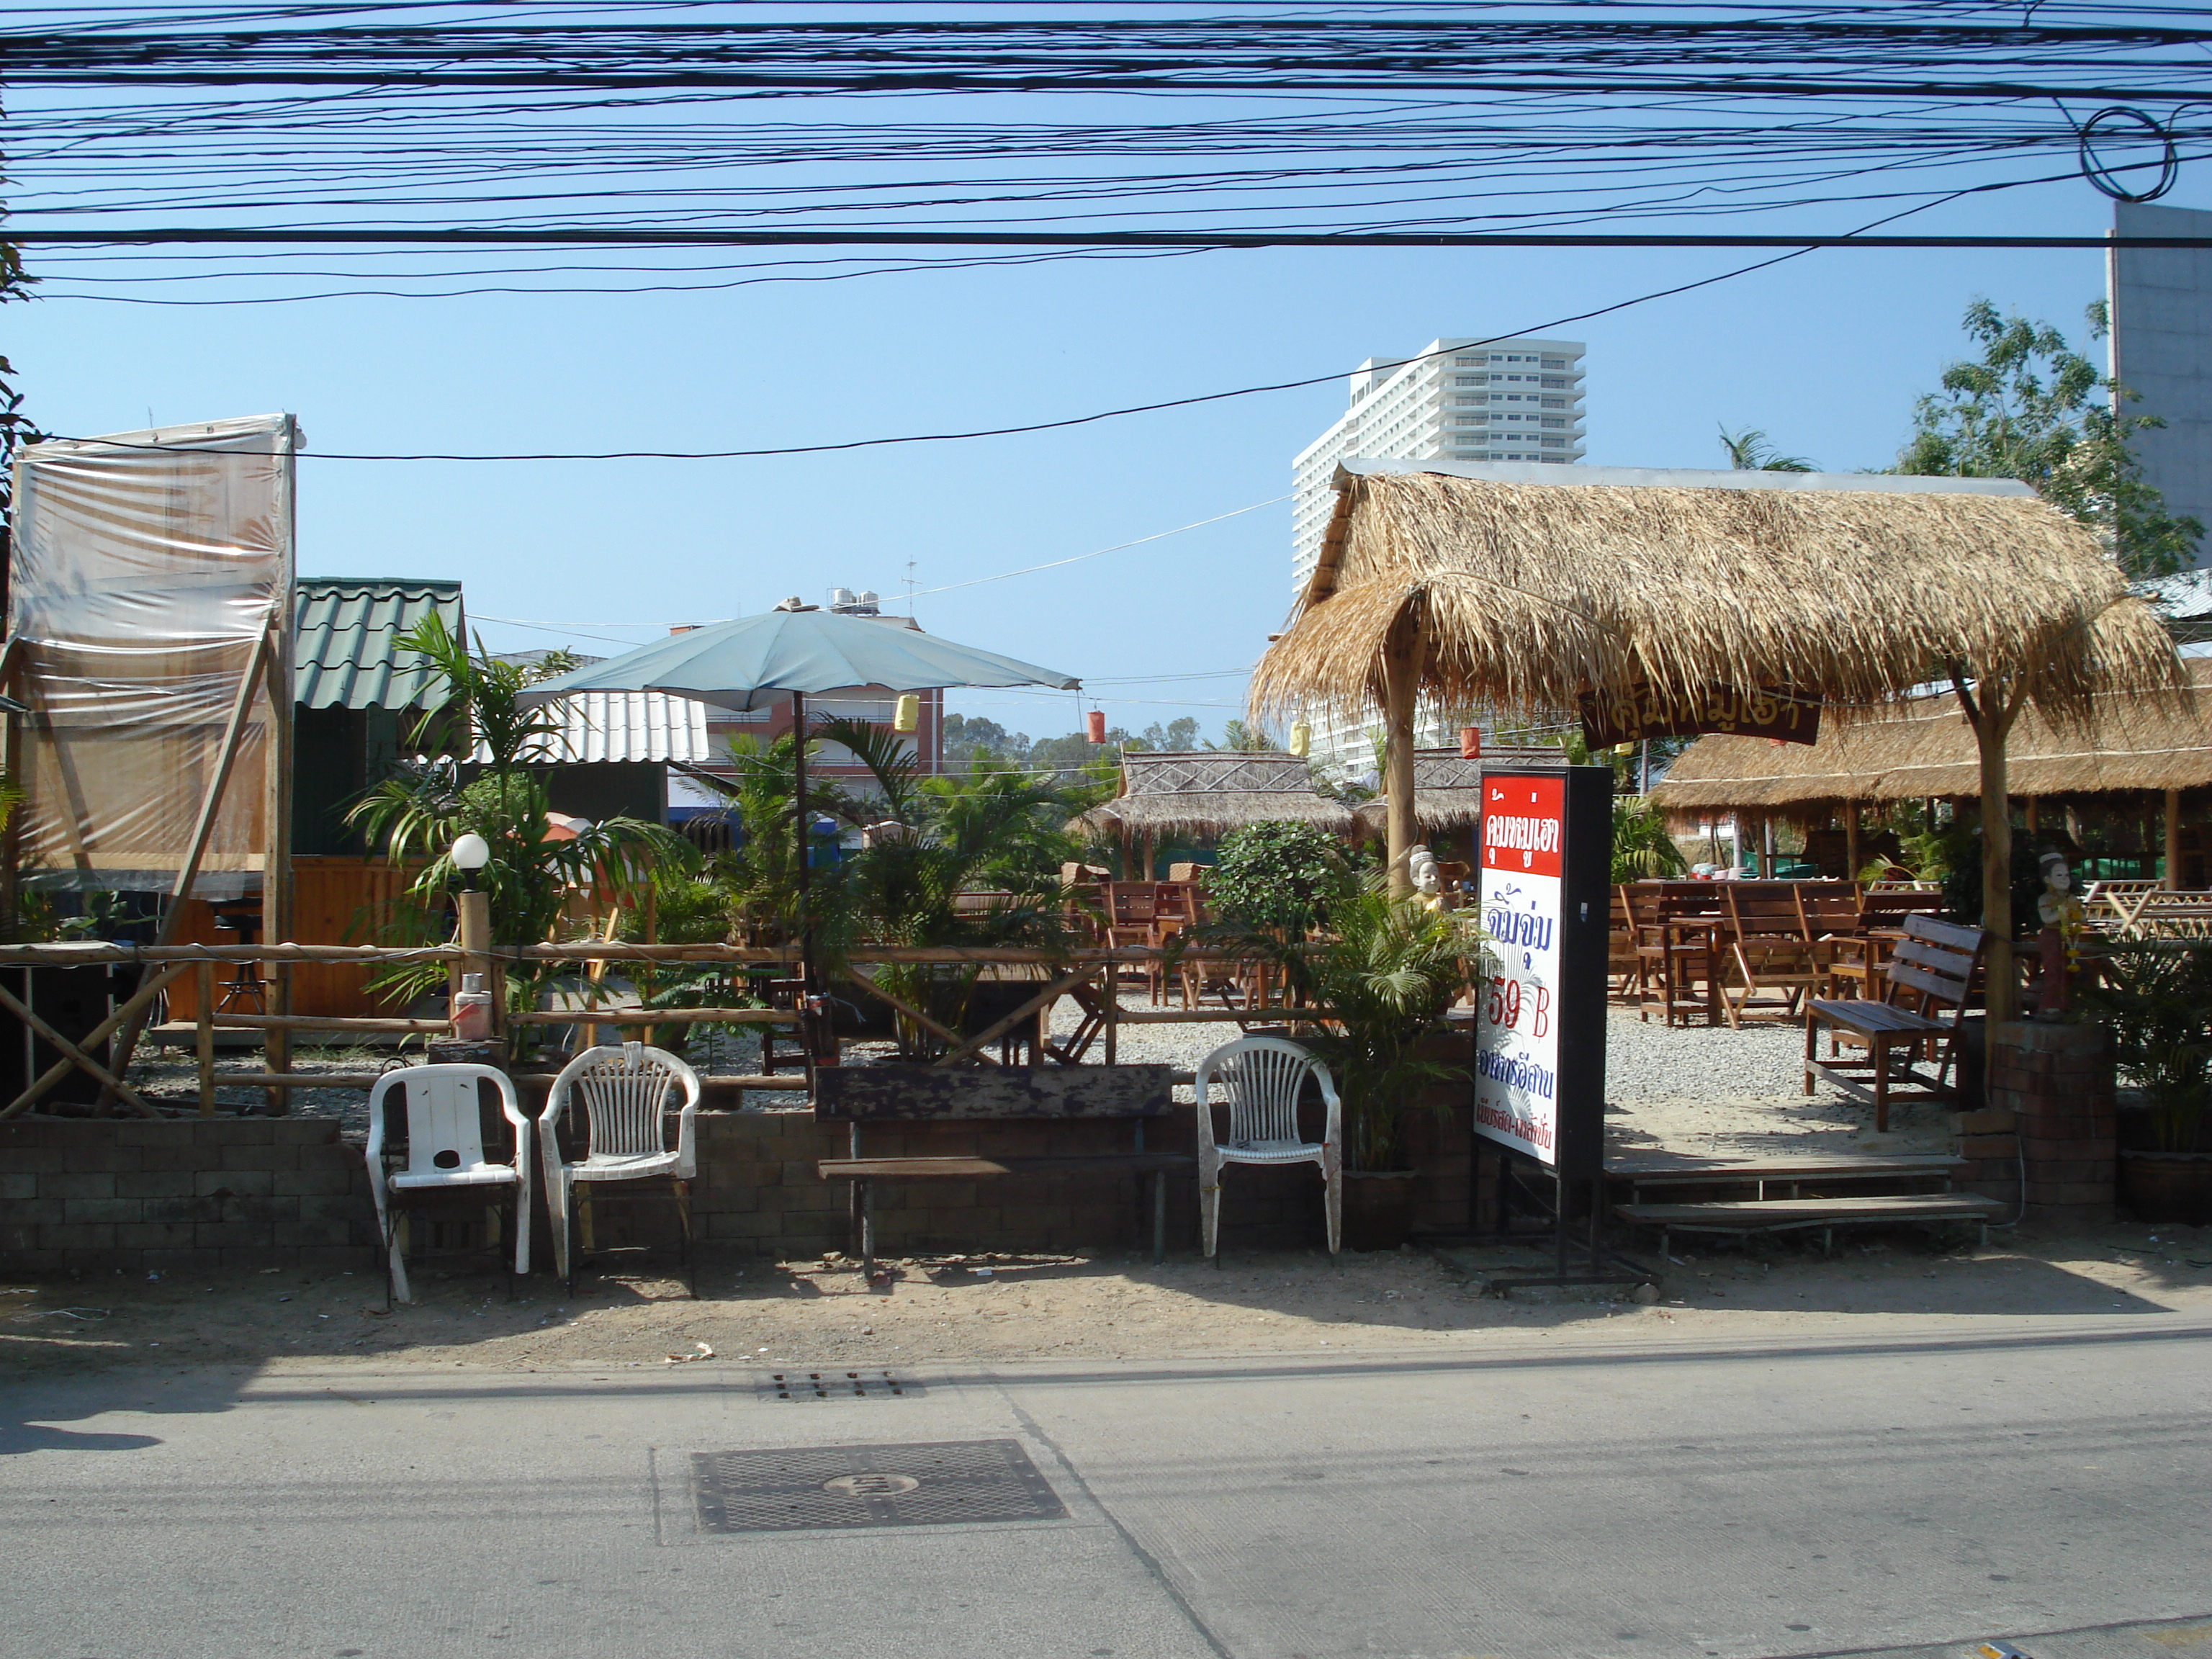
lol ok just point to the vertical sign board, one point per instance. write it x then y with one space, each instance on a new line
1547 860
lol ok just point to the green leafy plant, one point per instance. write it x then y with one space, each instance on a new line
991 829
2155 1001
1282 877
1382 978
2032 408
1642 847
429 803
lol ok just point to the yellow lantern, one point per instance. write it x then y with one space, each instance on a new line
1301 738
907 715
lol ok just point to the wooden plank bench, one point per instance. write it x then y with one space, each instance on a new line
859 1095
1776 1215
1926 986
1639 1174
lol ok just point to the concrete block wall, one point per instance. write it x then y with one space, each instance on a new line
147 1196
78 1194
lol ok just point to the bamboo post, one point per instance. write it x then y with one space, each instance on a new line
205 1037
1401 680
1851 840
2173 840
473 911
276 861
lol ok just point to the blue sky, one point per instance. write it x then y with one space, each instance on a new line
1827 353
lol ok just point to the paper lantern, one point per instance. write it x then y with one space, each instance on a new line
1301 738
906 716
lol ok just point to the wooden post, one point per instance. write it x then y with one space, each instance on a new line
126 1040
1401 684
205 1036
1991 716
2173 840
277 860
1851 840
2034 818
473 908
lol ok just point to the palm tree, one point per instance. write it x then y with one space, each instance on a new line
1750 450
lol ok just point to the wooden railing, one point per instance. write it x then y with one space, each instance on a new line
1059 973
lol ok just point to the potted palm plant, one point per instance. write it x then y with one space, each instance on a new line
1380 974
2155 1001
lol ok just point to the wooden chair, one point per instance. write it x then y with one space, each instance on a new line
1622 964
1777 964
1675 950
1856 963
1925 990
780 994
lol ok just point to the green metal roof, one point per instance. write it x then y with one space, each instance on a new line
345 653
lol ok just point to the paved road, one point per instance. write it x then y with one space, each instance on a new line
2045 1480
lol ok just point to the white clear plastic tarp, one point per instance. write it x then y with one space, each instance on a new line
149 566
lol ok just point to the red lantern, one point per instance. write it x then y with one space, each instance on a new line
1095 720
1470 743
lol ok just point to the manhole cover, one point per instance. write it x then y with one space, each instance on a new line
810 1488
832 1384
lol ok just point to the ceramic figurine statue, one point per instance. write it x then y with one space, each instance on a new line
2058 944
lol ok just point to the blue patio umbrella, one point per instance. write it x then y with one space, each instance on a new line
798 650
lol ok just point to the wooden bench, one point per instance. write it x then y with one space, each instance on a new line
860 1095
1776 1215
1925 987
1640 1174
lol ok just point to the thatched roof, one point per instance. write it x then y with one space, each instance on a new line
1448 789
1532 593
1211 791
1922 747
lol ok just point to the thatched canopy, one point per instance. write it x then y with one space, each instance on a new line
1447 788
1211 792
1529 593
1923 747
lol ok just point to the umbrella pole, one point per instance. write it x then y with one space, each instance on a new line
799 827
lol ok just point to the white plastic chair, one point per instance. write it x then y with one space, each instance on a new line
445 1153
626 1094
1263 1078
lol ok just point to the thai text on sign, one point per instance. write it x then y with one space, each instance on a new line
1517 1059
1632 713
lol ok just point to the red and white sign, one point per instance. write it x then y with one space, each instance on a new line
1517 1059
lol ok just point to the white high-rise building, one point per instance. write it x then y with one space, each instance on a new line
1454 400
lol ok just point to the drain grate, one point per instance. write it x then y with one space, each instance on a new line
838 1385
815 1487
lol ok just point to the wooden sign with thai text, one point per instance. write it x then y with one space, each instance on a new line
1639 711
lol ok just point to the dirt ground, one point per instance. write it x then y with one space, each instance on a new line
1116 1306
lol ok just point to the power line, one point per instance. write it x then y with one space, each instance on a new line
1797 252
1118 547
34 235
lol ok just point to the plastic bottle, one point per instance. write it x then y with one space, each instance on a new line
471 1011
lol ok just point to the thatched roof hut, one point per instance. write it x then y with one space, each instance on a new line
1922 747
1208 793
1529 591
1448 786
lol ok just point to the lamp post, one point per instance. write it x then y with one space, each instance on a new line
469 853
